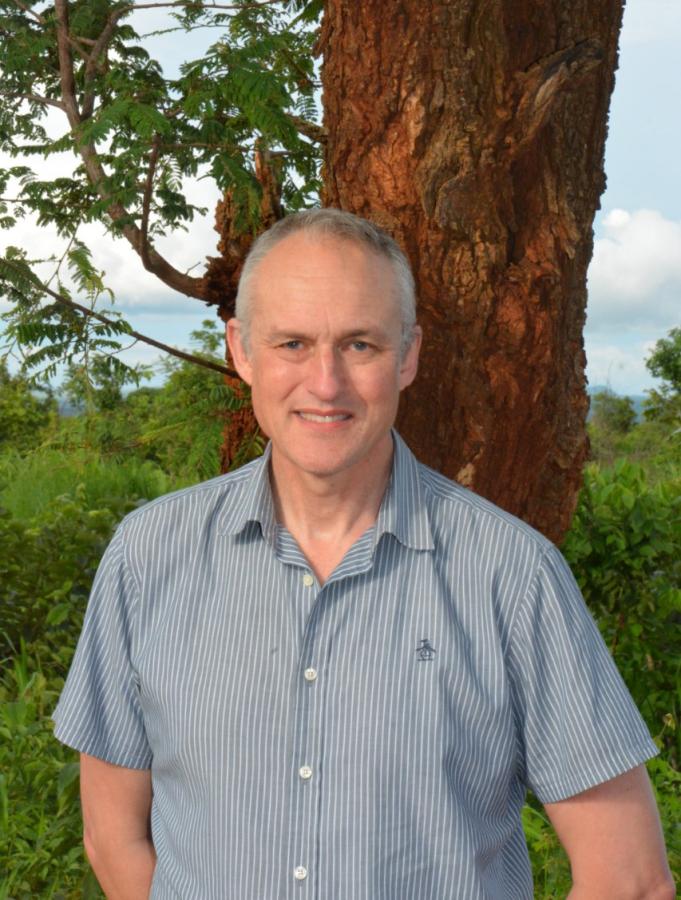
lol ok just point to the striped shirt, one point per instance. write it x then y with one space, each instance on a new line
368 739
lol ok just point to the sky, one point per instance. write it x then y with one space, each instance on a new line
635 275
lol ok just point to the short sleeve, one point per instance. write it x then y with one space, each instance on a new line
578 723
99 710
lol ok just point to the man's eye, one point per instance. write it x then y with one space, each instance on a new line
359 345
292 345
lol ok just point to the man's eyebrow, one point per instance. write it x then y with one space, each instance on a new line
295 334
284 335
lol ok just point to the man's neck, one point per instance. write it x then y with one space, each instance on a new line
326 515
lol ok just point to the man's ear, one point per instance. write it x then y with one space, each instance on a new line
240 357
410 363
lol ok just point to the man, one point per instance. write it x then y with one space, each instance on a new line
333 673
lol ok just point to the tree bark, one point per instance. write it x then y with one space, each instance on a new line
474 131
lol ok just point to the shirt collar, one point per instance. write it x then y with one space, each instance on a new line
403 512
255 503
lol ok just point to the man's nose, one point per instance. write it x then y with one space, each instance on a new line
326 374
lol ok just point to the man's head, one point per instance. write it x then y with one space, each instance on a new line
327 341
344 226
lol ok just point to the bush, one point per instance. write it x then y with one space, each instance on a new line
30 484
24 413
46 572
612 413
624 548
41 854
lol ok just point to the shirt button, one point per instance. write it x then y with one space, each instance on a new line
308 580
310 674
300 873
305 772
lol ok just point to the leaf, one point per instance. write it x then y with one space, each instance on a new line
68 774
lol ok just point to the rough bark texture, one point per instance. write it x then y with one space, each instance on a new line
474 131
222 277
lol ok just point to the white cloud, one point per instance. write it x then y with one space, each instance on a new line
635 274
620 367
135 289
651 21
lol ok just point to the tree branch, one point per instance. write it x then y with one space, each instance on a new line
30 12
201 145
98 48
68 81
180 354
195 4
314 132
146 202
33 98
152 261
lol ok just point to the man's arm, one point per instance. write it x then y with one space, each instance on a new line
116 807
613 838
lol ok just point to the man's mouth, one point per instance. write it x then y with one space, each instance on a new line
323 418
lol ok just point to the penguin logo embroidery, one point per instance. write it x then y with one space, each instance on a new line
425 651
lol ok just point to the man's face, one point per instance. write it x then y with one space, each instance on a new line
324 361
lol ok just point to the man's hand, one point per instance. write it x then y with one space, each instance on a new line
613 837
116 807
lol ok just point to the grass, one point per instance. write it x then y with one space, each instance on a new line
28 484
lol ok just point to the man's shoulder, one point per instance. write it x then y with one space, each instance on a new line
197 500
458 509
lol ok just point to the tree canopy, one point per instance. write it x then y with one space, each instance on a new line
79 78
665 363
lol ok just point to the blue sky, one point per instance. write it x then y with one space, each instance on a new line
635 275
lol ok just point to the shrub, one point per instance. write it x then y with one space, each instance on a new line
624 548
24 413
46 571
41 854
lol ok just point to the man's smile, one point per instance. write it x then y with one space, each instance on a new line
323 418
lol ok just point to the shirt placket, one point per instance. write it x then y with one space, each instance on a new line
307 763
316 610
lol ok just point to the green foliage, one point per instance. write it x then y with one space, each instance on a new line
653 443
97 385
30 483
664 406
177 427
49 334
24 415
139 137
613 413
665 360
666 781
185 423
624 548
665 363
244 90
550 865
40 852
46 570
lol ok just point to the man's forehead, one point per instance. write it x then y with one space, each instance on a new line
310 255
303 291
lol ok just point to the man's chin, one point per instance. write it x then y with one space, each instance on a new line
316 465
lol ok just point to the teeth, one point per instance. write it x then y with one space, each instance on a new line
311 417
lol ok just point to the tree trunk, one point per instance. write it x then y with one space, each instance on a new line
474 131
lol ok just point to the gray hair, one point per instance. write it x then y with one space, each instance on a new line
331 223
